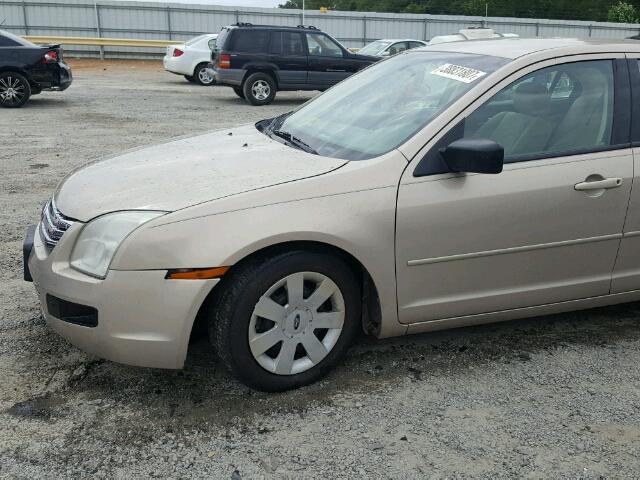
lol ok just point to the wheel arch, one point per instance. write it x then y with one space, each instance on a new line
269 69
197 65
19 70
371 309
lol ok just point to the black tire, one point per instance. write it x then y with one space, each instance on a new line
230 316
250 89
15 85
190 79
239 92
201 77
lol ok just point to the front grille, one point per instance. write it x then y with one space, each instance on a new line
53 224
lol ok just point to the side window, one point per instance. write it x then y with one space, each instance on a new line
250 41
401 46
557 110
212 43
396 48
321 45
415 44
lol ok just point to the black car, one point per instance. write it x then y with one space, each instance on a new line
259 60
27 69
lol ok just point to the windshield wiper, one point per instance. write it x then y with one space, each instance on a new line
294 141
277 122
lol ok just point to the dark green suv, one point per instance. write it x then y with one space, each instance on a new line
259 60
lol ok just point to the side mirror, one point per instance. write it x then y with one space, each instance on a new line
474 155
386 53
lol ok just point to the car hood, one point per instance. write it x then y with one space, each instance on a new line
185 172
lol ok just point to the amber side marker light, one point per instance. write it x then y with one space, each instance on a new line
195 273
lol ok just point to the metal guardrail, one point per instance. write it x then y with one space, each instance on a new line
100 42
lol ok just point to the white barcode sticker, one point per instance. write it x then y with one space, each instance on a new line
459 73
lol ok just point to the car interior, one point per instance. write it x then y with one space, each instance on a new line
558 109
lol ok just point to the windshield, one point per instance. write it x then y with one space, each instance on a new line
195 40
377 110
374 48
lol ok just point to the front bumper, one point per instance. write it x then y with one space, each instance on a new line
142 318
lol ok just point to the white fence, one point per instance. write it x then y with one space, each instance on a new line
157 21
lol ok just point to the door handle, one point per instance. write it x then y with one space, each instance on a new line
335 70
603 184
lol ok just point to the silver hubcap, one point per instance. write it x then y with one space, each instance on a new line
204 77
12 90
296 323
261 90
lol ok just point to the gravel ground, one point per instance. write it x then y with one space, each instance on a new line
548 397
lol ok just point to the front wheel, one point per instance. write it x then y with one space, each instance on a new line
286 321
14 90
190 79
202 77
259 89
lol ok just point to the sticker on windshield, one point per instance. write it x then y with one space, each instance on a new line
459 73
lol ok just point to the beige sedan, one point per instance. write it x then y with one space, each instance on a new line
450 185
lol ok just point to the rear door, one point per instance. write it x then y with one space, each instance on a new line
248 46
327 64
626 275
288 53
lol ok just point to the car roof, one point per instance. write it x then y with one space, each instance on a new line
513 48
399 40
309 28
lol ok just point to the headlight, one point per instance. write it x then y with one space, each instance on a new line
99 239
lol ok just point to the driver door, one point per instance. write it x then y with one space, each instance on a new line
537 233
327 65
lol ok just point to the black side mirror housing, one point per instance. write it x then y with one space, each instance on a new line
474 155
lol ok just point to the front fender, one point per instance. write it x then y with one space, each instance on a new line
360 223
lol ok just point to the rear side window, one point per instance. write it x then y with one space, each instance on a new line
250 41
7 42
223 36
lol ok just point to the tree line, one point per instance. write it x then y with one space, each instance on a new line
592 10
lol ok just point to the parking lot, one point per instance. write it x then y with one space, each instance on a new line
546 397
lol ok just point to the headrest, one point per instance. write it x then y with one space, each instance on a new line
592 80
531 99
